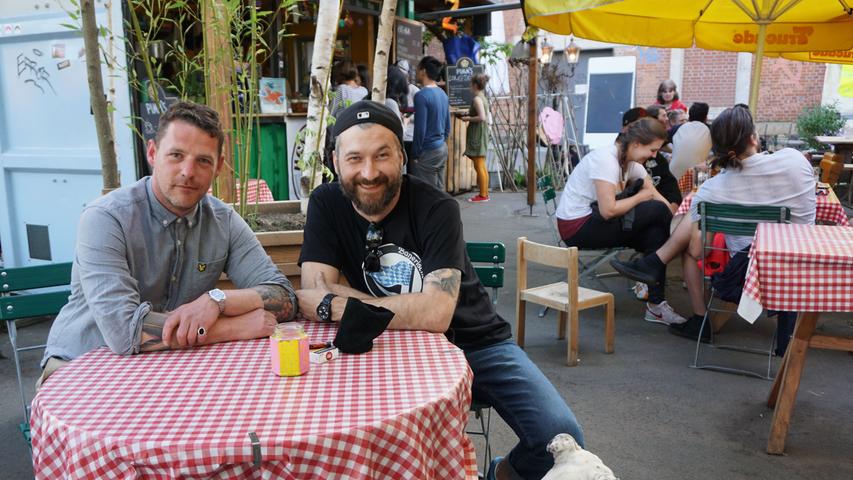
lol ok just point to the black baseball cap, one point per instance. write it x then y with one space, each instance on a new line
368 111
633 115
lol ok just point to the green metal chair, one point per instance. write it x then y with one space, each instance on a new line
488 259
23 295
493 254
733 220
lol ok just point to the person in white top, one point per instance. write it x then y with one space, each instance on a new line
348 90
409 110
691 143
640 221
784 178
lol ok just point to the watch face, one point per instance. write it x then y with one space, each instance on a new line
323 311
217 294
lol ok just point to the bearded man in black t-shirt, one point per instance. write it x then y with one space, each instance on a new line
416 265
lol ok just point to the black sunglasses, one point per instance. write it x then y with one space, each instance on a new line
372 242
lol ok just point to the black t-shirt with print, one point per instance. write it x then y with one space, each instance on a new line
423 233
665 183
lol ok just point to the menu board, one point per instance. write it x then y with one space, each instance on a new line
149 111
459 82
408 43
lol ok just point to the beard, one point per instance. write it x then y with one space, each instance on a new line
368 205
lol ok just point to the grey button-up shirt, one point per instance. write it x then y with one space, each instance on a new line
134 257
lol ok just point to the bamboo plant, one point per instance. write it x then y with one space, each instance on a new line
245 28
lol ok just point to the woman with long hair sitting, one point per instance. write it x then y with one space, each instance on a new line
784 178
610 201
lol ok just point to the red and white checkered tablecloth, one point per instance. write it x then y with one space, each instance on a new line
399 411
827 209
685 183
256 191
801 268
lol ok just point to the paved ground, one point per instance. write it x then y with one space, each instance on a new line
644 412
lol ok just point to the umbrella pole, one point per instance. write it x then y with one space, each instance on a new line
756 70
531 128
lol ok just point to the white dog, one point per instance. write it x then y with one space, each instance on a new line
571 462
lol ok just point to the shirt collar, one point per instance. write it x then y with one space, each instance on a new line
161 214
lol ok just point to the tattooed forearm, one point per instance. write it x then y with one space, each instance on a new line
151 338
276 301
446 279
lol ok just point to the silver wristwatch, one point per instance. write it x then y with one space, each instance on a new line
218 296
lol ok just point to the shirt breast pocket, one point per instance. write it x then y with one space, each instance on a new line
205 273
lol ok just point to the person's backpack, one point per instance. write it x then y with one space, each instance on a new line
728 284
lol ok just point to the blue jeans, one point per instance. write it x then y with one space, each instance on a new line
506 379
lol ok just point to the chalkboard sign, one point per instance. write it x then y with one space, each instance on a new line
408 43
459 82
149 111
609 98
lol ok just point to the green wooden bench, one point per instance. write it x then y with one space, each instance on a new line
23 295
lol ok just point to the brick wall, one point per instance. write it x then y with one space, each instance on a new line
709 76
652 68
513 24
787 87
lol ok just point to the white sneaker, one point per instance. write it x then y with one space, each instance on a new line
641 291
662 313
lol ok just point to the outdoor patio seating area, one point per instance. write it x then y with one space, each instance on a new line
643 410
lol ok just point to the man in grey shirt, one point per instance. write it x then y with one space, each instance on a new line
148 257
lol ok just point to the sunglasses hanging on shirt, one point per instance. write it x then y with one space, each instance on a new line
372 242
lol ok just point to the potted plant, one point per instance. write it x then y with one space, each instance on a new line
820 120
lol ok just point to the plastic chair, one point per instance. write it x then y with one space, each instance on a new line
566 297
733 220
491 276
21 298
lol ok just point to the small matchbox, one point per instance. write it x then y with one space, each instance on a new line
324 355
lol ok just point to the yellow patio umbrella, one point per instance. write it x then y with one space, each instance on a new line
843 57
756 26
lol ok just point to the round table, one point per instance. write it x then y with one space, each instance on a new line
399 411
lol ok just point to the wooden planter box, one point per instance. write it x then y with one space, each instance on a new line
283 247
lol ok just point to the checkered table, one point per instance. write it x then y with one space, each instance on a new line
799 268
827 209
257 191
806 269
399 411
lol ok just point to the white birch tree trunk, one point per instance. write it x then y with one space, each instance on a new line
318 111
383 49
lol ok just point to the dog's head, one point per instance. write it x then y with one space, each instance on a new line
573 462
562 443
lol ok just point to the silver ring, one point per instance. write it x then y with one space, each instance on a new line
201 331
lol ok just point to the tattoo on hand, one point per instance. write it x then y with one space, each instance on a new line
446 279
276 301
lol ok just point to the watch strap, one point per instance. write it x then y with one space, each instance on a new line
327 302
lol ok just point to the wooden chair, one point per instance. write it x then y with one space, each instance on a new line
588 264
566 297
22 295
831 168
